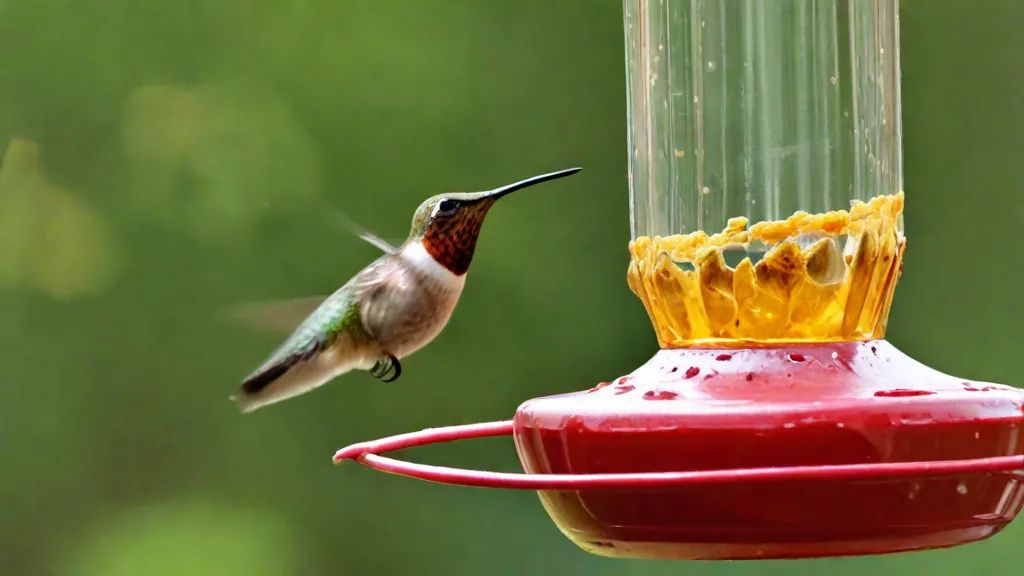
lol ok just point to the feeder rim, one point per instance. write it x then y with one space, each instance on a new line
368 454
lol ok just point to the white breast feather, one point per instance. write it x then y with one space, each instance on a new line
416 255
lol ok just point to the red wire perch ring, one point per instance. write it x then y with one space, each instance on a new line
367 454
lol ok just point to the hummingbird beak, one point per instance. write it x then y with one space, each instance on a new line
499 192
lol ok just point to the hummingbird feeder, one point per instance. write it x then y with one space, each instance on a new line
765 169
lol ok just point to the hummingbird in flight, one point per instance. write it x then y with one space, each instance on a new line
390 309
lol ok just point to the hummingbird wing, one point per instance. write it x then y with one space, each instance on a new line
300 363
275 316
364 234
329 342
285 315
378 242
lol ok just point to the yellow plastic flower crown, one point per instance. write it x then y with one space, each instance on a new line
806 287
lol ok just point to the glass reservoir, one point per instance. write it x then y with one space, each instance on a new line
765 168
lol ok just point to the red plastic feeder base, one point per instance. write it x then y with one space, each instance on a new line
778 407
774 452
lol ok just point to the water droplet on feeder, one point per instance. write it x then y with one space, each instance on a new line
789 425
914 489
660 395
961 488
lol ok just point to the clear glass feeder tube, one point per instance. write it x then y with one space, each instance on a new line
765 167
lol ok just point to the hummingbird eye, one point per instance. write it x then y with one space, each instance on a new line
446 207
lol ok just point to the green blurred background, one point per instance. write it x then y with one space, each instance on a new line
168 160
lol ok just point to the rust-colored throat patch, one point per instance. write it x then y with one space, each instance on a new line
452 241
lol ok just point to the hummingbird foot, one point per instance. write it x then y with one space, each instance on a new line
389 365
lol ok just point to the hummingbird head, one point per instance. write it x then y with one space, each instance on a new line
448 225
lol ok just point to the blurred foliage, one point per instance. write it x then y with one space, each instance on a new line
50 239
167 160
173 538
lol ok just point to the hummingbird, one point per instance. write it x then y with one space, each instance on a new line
393 307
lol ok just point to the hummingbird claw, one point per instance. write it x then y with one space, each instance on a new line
397 368
388 365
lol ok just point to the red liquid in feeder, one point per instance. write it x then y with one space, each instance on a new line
816 404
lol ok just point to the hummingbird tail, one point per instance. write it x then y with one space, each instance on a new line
281 378
292 375
248 397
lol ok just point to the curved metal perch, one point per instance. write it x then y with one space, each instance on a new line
367 454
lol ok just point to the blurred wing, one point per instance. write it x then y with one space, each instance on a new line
374 240
286 315
277 315
378 242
